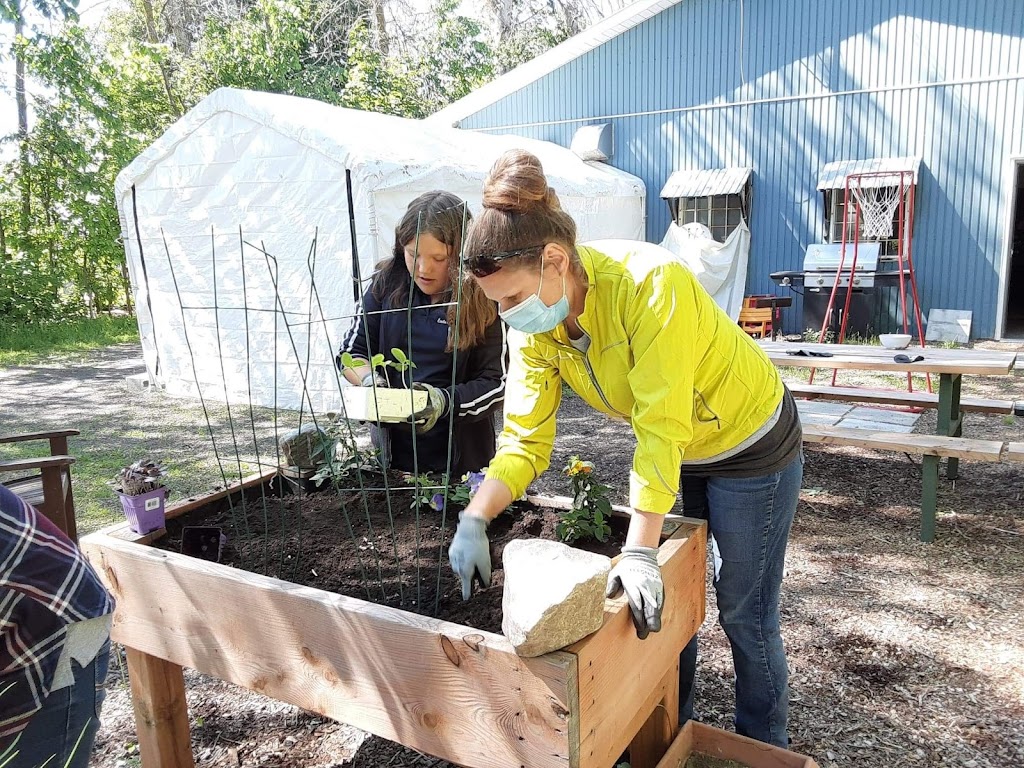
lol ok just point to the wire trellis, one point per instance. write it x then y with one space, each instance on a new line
350 478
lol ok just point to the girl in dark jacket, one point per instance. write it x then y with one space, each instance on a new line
428 243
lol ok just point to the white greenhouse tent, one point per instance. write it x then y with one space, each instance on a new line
245 174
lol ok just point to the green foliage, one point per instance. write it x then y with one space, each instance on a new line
375 82
100 98
401 363
24 344
422 485
451 60
342 459
272 47
591 508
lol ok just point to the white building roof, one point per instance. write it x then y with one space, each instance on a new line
704 183
833 175
631 16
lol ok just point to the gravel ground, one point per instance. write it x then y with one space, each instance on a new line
901 653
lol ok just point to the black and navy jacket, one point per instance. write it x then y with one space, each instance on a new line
476 392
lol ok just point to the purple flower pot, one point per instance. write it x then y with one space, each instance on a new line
145 512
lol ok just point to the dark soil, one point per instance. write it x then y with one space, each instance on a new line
354 544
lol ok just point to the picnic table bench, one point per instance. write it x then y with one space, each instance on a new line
950 365
909 399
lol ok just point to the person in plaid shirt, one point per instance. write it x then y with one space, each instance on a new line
55 620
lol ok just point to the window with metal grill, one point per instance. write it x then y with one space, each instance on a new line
719 213
836 214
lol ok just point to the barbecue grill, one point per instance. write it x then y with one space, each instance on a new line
821 267
821 272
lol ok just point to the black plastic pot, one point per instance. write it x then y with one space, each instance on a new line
203 541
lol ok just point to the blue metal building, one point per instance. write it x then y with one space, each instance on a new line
785 87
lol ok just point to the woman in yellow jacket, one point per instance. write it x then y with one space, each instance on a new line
629 328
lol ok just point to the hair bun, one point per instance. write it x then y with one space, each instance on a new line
516 184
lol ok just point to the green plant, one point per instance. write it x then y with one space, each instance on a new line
341 456
141 477
401 363
590 505
461 493
1009 420
422 485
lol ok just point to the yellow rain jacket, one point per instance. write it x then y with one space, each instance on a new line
662 356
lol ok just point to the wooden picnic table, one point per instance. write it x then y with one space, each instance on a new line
949 364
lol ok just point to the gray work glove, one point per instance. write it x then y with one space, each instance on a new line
638 574
374 378
436 408
470 552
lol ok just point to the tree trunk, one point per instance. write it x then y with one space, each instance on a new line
3 239
21 99
147 10
127 282
381 26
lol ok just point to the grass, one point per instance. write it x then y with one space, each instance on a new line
23 345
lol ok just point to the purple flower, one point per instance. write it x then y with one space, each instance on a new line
473 481
437 502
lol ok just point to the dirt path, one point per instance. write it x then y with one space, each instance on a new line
901 653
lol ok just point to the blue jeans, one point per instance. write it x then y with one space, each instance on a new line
749 519
64 730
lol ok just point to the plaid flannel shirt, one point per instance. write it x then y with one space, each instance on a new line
45 585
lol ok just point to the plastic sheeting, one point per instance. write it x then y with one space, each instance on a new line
721 268
242 206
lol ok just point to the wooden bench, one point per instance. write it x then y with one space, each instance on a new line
911 399
930 447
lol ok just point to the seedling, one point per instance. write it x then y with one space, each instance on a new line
401 363
590 505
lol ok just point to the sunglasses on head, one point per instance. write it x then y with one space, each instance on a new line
484 264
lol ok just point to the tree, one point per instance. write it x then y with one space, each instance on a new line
14 11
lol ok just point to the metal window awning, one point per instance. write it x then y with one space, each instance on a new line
717 181
833 175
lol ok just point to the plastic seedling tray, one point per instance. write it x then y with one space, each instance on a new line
382 404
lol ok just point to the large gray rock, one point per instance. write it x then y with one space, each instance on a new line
554 594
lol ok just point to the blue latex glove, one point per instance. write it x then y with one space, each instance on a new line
470 552
638 574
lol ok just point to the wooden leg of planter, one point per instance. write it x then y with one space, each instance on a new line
161 715
657 734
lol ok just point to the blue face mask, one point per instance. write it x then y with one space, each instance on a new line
532 315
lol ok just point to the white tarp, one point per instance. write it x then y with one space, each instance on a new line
721 268
246 172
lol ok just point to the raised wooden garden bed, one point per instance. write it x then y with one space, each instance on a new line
701 746
442 688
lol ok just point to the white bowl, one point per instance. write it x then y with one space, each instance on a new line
895 340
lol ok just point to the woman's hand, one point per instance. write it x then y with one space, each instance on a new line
638 574
470 551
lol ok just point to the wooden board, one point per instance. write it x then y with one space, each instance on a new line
697 738
657 734
1014 452
892 397
618 672
978 362
161 716
124 532
930 445
438 687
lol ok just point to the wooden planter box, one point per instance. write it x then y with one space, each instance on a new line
699 739
441 688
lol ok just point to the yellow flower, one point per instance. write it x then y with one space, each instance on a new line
578 467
